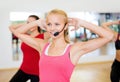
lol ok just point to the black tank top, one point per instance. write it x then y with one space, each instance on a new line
117 42
119 28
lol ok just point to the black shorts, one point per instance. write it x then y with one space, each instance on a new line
115 71
21 76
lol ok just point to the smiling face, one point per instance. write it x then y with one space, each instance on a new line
56 20
55 23
31 19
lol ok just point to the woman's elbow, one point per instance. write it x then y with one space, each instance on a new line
11 28
110 36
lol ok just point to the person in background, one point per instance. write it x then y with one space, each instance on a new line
59 57
14 38
29 69
115 69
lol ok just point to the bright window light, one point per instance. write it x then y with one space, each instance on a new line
21 16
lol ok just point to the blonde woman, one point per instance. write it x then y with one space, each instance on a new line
59 57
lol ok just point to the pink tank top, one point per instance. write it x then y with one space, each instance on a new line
55 68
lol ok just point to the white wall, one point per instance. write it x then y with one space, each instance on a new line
7 6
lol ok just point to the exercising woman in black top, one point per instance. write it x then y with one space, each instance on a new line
115 70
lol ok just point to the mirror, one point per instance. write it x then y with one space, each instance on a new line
79 35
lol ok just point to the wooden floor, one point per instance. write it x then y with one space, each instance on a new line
95 72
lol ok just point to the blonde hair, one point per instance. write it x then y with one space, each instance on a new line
61 12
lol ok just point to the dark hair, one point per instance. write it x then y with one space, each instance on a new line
36 17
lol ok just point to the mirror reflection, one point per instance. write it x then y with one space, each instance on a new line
81 34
